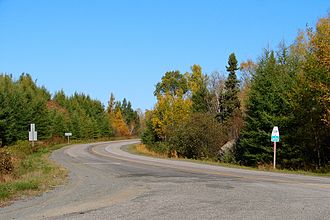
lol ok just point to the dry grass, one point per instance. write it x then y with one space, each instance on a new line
33 174
143 150
33 171
265 167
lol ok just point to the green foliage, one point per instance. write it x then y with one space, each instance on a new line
201 96
288 88
268 106
159 148
283 94
232 62
228 100
149 136
129 115
173 82
5 191
23 103
21 186
201 136
200 100
31 171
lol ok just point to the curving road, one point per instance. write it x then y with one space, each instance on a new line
109 183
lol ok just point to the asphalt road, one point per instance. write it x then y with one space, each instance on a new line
108 183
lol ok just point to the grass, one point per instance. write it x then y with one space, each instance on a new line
140 149
32 174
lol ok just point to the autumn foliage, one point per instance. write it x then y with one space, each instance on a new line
288 87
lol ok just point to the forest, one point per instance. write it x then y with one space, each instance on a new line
223 117
23 103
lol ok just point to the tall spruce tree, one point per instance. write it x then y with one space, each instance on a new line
228 101
268 106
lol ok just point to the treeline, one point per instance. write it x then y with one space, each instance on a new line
226 119
23 103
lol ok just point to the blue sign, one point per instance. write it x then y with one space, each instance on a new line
275 139
275 135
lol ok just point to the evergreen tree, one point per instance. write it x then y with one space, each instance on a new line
228 100
268 106
200 100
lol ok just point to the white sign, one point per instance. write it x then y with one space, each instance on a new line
275 135
33 135
275 138
69 134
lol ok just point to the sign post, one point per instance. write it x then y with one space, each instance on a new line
33 135
68 135
275 138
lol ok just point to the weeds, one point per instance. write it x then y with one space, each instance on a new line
31 171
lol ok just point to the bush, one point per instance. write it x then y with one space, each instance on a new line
21 149
6 163
159 147
200 137
149 137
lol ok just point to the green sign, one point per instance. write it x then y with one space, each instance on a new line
275 135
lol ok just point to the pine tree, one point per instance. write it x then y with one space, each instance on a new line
200 100
268 106
228 101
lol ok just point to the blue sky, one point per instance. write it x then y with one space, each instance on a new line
125 47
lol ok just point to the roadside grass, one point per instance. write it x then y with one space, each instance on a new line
140 149
27 171
32 172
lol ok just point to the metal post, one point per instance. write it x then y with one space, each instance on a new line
32 133
274 155
68 139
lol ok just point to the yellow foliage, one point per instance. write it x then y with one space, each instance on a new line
169 110
300 48
312 48
196 79
247 69
320 41
119 124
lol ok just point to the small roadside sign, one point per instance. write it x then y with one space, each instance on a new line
275 138
33 135
68 134
275 135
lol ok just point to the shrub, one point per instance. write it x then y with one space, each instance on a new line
201 136
6 162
